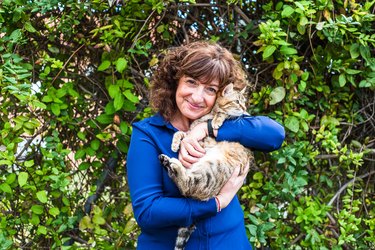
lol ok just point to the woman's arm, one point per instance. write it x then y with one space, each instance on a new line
152 209
255 132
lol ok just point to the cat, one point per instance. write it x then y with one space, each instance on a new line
206 177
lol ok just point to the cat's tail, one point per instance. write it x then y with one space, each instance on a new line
183 237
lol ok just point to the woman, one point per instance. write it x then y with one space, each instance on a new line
184 89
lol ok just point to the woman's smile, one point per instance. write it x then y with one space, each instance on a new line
195 106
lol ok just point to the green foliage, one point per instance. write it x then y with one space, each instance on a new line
74 75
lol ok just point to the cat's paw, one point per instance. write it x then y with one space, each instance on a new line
217 124
164 160
177 138
217 121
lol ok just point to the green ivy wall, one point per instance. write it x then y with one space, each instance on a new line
74 75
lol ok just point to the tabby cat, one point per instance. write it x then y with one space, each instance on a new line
206 177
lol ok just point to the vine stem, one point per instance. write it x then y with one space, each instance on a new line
66 63
347 184
144 24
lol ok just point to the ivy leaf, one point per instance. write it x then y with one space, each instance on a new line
342 80
37 209
118 101
11 178
95 144
55 108
79 154
352 71
15 36
354 50
98 219
84 166
130 226
268 51
42 196
124 127
85 223
104 65
130 96
121 64
22 178
6 188
29 27
47 98
42 230
303 21
113 90
292 124
302 86
35 219
258 176
38 104
252 229
122 145
287 11
285 50
54 211
277 95
105 119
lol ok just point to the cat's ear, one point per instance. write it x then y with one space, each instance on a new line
228 89
243 91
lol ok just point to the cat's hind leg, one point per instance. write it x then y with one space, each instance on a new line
165 161
174 166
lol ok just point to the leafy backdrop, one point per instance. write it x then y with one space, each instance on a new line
74 75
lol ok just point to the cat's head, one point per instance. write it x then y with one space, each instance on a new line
231 102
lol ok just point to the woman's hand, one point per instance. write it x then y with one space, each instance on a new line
190 149
229 190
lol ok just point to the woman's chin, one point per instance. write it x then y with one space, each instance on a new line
193 116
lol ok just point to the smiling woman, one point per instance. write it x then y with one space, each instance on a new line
202 61
184 88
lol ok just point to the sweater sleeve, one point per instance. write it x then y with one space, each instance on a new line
255 132
152 209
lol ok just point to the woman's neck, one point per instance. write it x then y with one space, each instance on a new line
180 122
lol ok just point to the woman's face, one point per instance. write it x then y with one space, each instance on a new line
195 99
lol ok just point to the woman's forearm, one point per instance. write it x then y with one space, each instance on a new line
255 132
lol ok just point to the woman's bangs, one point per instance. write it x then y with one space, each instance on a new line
209 70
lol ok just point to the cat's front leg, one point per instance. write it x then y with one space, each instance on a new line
176 141
218 120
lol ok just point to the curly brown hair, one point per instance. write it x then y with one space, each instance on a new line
202 60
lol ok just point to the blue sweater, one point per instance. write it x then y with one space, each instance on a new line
158 205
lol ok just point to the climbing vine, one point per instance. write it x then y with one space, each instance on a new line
74 75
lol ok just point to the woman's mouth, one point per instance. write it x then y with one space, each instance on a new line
193 105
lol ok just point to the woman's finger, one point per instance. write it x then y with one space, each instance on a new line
185 158
192 151
193 147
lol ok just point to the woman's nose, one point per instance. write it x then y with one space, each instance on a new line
198 95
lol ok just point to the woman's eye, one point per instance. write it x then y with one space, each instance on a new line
212 90
191 82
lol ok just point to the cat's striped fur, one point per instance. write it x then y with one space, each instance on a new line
206 177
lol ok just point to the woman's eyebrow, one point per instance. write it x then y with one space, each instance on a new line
213 84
